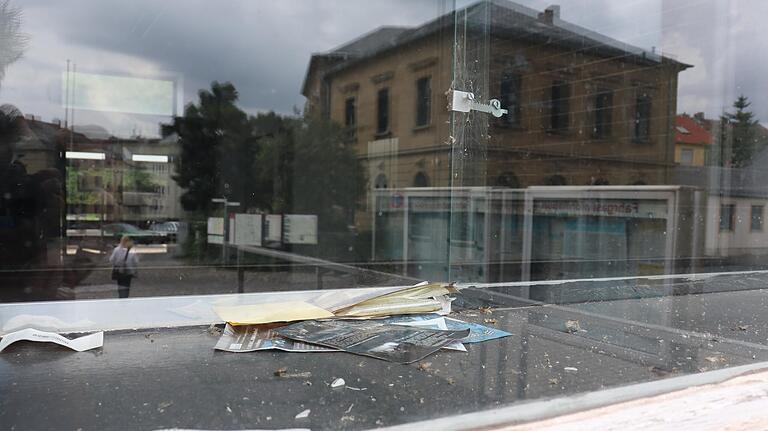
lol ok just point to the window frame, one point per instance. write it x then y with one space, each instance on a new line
641 121
731 220
423 117
752 218
383 125
602 120
511 100
559 106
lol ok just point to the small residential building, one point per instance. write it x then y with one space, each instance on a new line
692 141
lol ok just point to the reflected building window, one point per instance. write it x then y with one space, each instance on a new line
382 112
350 117
510 98
727 215
423 101
349 112
556 180
559 94
508 179
420 180
642 129
380 182
686 156
756 218
603 107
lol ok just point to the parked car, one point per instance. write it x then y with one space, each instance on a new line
140 236
168 228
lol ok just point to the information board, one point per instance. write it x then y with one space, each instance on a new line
300 229
247 229
274 227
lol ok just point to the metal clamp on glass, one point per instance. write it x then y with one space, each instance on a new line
462 101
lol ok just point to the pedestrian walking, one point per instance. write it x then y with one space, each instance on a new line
125 264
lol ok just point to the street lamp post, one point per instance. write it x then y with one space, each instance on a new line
225 240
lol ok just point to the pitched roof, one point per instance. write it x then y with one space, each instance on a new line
503 18
688 131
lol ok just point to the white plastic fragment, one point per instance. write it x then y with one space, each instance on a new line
338 383
86 342
571 369
303 414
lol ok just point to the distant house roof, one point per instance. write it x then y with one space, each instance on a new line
503 18
688 131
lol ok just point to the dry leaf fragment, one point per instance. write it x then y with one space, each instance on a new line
572 326
280 372
490 321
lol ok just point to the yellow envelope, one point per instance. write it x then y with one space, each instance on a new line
270 312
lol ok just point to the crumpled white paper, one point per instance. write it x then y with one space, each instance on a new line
80 344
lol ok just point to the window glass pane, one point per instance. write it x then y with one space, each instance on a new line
423 101
604 157
756 221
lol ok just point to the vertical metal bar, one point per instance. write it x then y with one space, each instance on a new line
525 274
240 272
406 215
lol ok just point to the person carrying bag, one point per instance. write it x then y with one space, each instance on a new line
124 265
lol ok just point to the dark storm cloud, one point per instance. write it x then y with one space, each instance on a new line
262 47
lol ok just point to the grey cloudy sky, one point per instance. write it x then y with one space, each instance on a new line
263 46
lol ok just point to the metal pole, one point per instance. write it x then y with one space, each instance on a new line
225 241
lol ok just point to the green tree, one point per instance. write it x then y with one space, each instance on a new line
216 148
739 133
271 162
312 170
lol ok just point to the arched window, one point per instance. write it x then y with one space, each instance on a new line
507 179
555 180
420 180
380 182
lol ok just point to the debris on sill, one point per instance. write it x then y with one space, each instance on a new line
572 326
81 344
304 414
338 383
412 325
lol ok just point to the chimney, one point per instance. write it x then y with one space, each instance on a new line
699 117
550 14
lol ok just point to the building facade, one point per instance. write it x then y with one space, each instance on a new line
584 109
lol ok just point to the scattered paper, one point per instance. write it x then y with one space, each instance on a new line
43 323
270 312
437 323
261 337
477 332
395 343
340 302
81 344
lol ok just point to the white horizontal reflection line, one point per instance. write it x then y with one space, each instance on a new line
149 158
84 155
